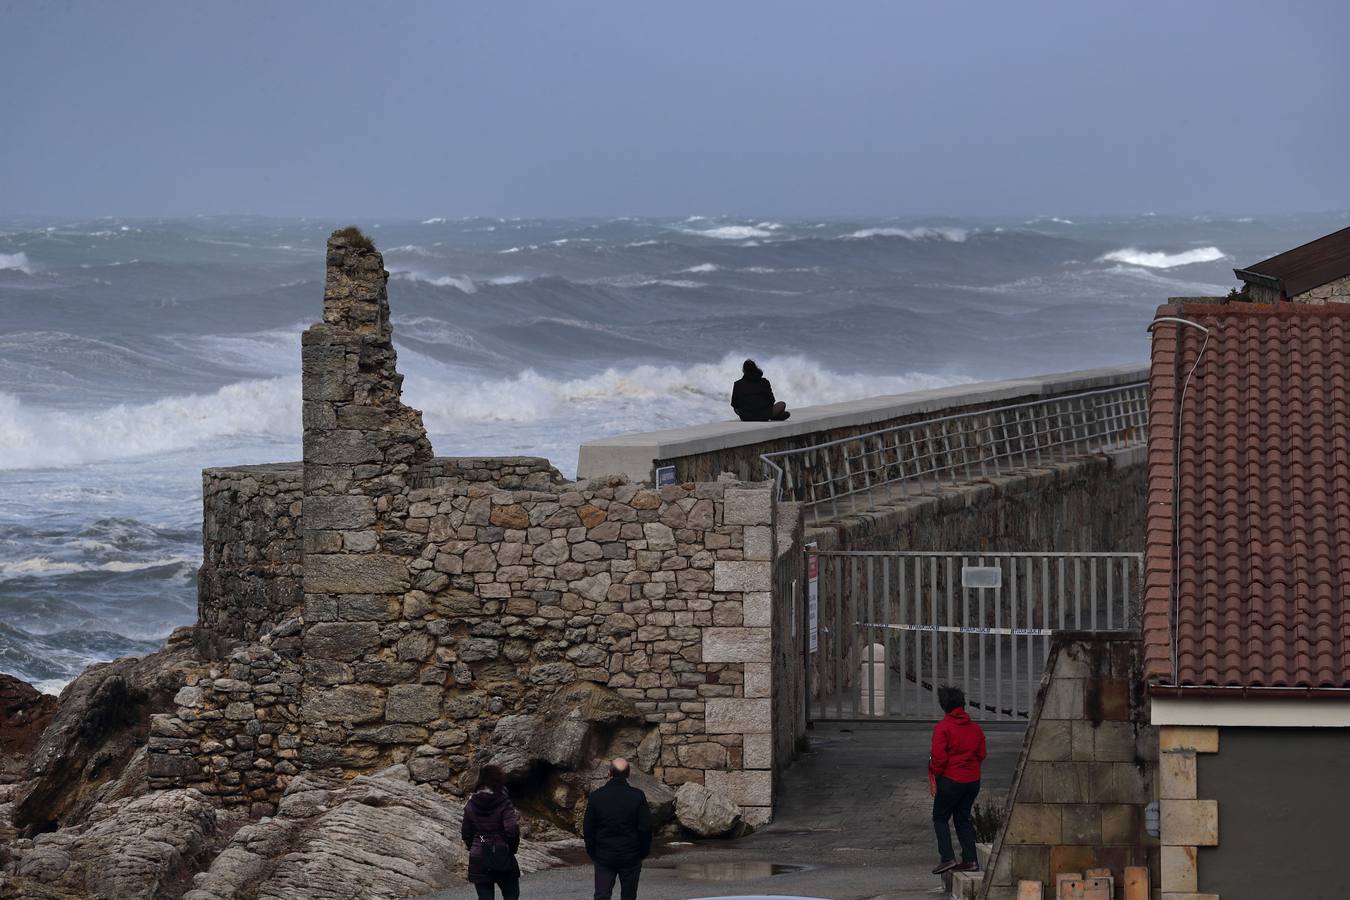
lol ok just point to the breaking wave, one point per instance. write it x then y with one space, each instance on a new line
1156 259
16 261
735 232
956 235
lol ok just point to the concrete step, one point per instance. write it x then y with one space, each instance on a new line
966 885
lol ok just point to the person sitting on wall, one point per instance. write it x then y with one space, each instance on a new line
954 779
752 397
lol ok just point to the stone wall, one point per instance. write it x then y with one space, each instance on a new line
251 554
1337 291
508 472
1086 772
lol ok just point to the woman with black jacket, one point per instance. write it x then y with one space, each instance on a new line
752 397
491 831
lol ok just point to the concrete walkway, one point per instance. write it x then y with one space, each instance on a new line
855 812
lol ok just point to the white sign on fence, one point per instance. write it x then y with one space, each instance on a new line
981 577
813 596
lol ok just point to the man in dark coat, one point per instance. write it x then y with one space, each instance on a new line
752 397
618 833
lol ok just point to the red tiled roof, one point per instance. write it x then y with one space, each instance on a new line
1262 498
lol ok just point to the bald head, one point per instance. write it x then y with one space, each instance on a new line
618 768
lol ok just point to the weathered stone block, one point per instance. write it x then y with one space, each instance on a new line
757 543
1034 823
1190 823
742 576
729 715
343 512
346 641
1178 870
1183 737
366 573
744 788
1051 742
758 679
415 703
1081 824
757 609
355 703
757 751
747 506
1114 742
1063 699
164 765
344 447
737 645
659 536
1177 775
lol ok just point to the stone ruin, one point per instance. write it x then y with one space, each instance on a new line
376 605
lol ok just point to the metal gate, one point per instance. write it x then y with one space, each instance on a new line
889 627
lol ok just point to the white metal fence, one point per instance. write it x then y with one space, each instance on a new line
842 475
893 626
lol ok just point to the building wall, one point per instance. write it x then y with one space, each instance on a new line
1086 771
1337 291
1281 794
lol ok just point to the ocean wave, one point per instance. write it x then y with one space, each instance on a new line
925 233
701 268
17 261
1156 259
438 220
45 565
731 232
461 282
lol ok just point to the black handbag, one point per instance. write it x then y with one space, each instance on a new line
497 856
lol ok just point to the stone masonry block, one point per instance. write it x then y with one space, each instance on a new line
1063 699
1190 823
365 573
747 506
346 641
415 703
745 788
741 576
343 512
1185 737
1178 870
723 645
1081 823
758 542
353 703
757 751
757 609
1114 742
758 679
1051 742
1177 775
734 715
1034 823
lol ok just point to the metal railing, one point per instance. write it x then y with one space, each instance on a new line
961 447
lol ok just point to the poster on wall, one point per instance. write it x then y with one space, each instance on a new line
813 595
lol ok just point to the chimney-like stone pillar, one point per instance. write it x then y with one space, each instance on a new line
362 449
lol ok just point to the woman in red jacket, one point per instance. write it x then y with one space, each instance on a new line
954 779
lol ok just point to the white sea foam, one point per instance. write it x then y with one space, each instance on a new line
702 267
1156 259
461 282
732 232
43 565
16 261
438 220
956 235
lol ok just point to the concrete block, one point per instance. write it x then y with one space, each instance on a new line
747 506
1186 737
742 576
1033 823
1177 775
725 645
1190 823
1177 866
745 788
734 715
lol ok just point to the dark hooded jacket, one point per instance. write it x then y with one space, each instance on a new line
752 398
618 825
489 816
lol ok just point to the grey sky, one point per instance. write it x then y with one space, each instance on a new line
762 108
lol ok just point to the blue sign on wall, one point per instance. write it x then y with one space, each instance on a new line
665 476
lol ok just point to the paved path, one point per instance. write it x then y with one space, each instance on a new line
855 811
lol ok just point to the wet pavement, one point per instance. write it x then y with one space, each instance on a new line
853 824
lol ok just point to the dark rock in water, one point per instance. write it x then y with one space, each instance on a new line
93 750
24 714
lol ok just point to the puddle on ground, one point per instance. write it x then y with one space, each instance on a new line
732 871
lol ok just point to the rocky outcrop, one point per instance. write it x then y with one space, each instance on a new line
94 749
705 813
379 836
143 849
24 714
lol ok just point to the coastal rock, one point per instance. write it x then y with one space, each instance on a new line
136 850
705 813
24 715
378 836
93 750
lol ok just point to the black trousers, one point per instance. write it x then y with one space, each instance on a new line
628 879
954 800
510 887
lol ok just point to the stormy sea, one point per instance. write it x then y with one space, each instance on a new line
135 353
